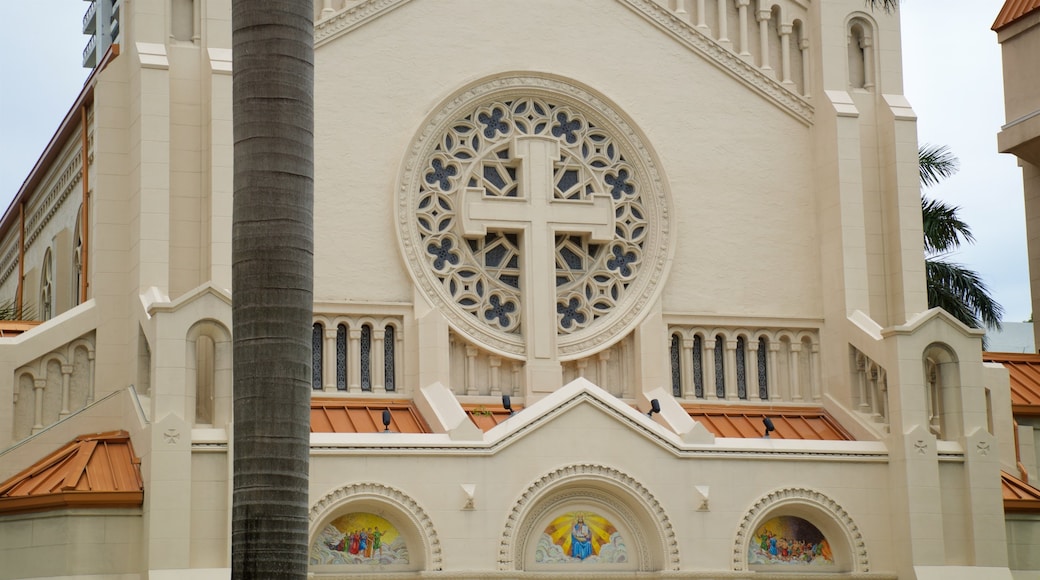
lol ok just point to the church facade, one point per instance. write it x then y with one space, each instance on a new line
603 288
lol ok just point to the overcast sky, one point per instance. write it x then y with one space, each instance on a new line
952 78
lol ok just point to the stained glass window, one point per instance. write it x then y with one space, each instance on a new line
366 358
388 357
720 376
763 361
741 368
676 373
698 367
341 357
317 335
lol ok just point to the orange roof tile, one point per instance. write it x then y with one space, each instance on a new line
487 418
1013 10
1024 371
1019 496
364 416
9 328
97 470
809 423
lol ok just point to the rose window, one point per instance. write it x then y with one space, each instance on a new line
534 199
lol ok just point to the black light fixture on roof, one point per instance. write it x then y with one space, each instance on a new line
386 420
769 426
508 405
655 407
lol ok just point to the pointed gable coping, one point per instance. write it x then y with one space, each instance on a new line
154 301
1024 374
1019 496
99 470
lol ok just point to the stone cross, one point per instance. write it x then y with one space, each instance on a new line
539 216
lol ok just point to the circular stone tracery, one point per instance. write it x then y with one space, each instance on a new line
469 151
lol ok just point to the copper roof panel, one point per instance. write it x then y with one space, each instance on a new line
364 416
1024 372
1019 496
746 421
486 418
98 470
1013 10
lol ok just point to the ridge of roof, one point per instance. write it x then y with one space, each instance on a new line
93 470
1012 11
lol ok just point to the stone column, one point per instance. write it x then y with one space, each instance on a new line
709 369
742 6
723 24
803 47
773 380
763 17
38 386
471 370
494 362
701 22
601 375
752 377
796 362
731 369
867 44
785 54
66 380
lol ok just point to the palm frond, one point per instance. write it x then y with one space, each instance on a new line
885 5
944 230
936 162
962 293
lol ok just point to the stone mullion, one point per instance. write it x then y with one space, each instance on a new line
66 380
471 370
328 360
814 370
785 54
730 368
867 45
723 24
751 378
354 354
795 364
742 6
701 21
689 387
377 363
708 352
803 45
601 363
773 379
494 364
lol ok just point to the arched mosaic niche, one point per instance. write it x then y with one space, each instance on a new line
515 154
344 538
799 520
628 530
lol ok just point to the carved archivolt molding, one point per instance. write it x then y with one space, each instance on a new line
585 483
464 143
780 502
404 507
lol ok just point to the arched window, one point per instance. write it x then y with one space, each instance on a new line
675 353
366 357
698 367
741 368
720 370
388 358
205 355
47 287
317 358
341 357
763 363
861 54
77 259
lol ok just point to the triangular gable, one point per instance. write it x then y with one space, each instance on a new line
99 470
335 24
1024 374
1019 496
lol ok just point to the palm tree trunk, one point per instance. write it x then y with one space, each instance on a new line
272 284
